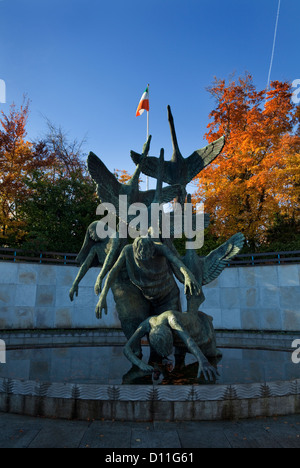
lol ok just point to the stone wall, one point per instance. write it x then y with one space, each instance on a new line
246 298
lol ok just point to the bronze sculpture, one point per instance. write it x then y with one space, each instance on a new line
193 331
141 274
147 264
180 170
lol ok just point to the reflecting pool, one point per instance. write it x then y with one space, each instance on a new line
107 365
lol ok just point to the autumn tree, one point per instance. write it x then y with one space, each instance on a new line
67 154
47 198
61 199
18 159
122 175
56 215
256 178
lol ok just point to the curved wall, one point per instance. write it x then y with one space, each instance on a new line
245 298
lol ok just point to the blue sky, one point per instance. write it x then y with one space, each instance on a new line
84 64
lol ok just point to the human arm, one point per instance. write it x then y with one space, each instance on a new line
82 272
136 337
190 283
108 282
110 259
208 370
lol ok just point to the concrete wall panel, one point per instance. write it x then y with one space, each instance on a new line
248 298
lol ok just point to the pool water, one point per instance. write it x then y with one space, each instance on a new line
107 365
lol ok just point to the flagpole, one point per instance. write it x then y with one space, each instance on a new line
147 178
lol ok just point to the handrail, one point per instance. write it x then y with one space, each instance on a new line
266 258
63 258
19 255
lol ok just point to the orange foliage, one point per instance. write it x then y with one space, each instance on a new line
258 173
122 175
20 160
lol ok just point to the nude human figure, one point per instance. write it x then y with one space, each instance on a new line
194 331
148 266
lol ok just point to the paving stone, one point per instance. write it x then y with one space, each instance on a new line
18 438
240 438
106 436
202 435
286 431
60 434
155 439
18 431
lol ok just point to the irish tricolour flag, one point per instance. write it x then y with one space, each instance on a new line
144 103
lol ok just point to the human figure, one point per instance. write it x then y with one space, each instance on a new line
97 252
148 269
192 331
109 188
93 253
194 328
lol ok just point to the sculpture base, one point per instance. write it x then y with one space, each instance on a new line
69 382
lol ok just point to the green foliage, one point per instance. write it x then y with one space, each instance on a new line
284 235
57 213
48 200
211 242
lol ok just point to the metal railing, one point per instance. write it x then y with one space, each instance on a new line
266 258
59 258
19 255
